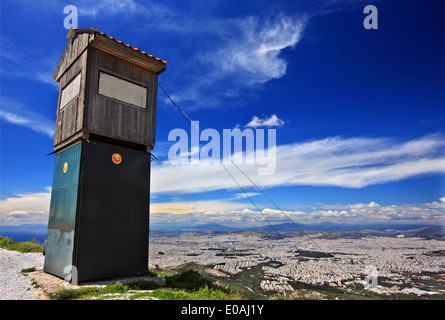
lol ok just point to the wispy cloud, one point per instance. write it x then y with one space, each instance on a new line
109 7
233 56
341 162
239 59
183 207
272 121
27 64
254 55
17 114
247 194
46 76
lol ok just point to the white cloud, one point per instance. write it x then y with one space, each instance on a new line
32 208
246 195
27 208
374 212
272 121
46 77
239 55
16 113
342 162
228 55
253 56
239 216
202 206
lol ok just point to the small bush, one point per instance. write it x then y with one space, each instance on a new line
72 294
204 293
143 285
28 270
153 273
170 295
5 242
207 293
67 294
115 288
27 246
200 289
190 279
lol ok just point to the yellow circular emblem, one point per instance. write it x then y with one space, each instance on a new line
116 157
65 167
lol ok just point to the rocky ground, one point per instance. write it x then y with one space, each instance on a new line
14 285
18 283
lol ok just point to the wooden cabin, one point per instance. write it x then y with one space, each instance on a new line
107 92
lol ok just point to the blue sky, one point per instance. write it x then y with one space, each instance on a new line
359 114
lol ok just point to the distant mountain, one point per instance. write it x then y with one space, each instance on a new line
209 227
328 229
325 227
329 226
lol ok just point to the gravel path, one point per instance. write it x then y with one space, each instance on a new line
13 284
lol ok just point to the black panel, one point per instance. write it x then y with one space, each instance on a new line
113 212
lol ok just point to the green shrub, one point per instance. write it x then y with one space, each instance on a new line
200 289
190 279
204 293
66 294
170 295
5 242
72 294
27 246
27 270
207 293
115 288
143 285
159 273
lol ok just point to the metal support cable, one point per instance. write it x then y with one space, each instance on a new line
253 183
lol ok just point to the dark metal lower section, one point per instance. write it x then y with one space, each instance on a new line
62 214
112 214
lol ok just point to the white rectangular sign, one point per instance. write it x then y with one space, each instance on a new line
70 91
122 90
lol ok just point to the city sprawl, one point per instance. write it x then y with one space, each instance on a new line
313 260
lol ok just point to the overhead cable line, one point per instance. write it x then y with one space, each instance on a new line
281 237
242 189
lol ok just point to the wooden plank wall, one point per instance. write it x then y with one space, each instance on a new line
73 49
69 120
112 118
